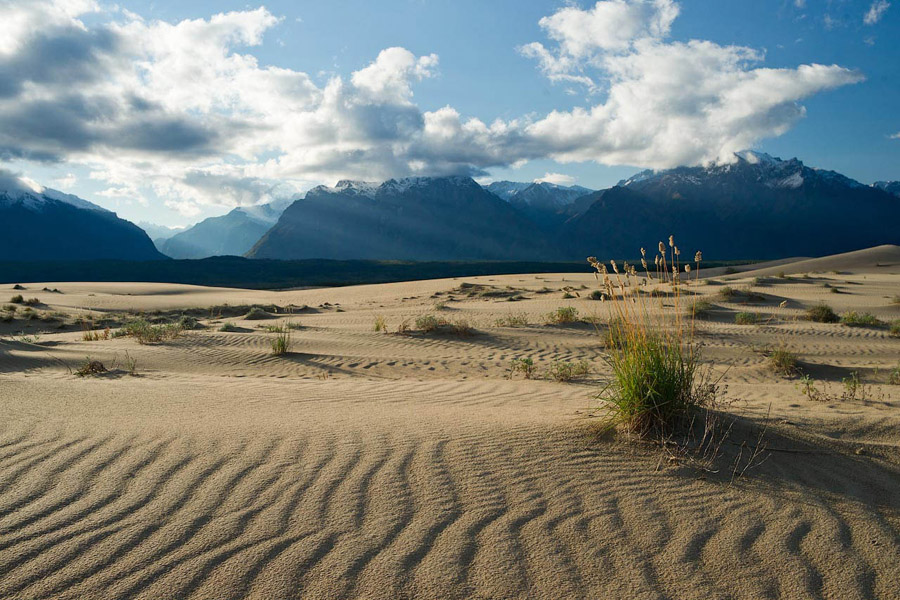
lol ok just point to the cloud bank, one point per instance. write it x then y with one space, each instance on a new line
185 109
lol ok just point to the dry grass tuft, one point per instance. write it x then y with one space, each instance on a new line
657 385
562 315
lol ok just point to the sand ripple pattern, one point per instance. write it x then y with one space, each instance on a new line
520 511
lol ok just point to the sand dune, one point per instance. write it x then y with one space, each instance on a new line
377 465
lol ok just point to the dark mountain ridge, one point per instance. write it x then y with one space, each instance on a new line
43 224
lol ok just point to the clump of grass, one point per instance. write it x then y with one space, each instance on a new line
90 368
281 343
783 362
894 378
821 313
10 308
433 324
562 315
257 314
428 323
894 330
746 318
88 334
19 287
896 299
380 324
228 327
17 299
855 319
727 292
32 301
275 328
512 320
146 333
525 366
701 309
188 323
656 384
562 371
568 296
596 295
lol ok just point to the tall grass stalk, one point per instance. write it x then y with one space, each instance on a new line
654 357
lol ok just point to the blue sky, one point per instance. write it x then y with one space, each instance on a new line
481 71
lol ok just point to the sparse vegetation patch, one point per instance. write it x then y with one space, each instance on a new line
821 313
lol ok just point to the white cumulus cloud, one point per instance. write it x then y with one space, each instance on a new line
187 111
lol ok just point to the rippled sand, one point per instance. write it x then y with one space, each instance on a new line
376 465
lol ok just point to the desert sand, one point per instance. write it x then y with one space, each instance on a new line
377 465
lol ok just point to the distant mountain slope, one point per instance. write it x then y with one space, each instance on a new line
757 207
44 224
442 218
891 187
549 205
232 234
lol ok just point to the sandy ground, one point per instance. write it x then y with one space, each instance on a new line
375 465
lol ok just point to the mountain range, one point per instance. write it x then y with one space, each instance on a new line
419 218
232 234
757 206
44 224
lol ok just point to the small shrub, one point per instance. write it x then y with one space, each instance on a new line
431 323
745 318
727 293
783 362
730 270
90 367
821 313
894 378
188 323
440 305
525 366
781 275
94 335
146 333
17 299
513 320
894 330
257 314
275 328
19 287
428 323
403 327
568 296
596 295
561 371
11 308
281 343
853 387
228 327
130 364
563 314
855 319
380 324
701 309
896 300
32 301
